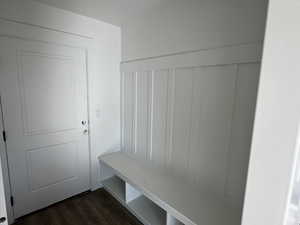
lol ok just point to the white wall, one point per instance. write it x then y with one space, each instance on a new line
276 131
103 43
176 26
157 27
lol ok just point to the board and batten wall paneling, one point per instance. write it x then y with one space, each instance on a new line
194 117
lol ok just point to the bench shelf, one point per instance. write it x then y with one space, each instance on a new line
148 211
158 198
116 187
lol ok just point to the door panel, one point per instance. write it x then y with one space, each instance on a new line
44 100
51 164
47 87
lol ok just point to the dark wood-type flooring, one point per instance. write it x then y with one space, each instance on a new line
91 208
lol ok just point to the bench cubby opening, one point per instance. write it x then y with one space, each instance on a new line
112 183
156 198
116 187
142 207
171 220
148 212
131 193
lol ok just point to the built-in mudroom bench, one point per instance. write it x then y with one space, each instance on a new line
158 198
186 129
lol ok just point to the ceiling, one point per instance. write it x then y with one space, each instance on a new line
119 12
116 12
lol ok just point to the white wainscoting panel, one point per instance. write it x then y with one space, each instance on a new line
241 136
194 117
181 121
160 87
211 125
129 112
142 114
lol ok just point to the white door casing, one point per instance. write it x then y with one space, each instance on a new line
44 90
3 211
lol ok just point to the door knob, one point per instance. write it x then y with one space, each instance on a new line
2 219
85 131
83 122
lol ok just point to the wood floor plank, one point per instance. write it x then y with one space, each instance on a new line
91 208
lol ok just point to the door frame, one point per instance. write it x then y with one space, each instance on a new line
47 35
3 165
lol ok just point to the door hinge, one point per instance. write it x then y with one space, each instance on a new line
12 201
4 135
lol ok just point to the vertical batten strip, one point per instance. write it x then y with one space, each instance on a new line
122 110
166 116
130 113
188 175
170 114
127 112
150 111
135 106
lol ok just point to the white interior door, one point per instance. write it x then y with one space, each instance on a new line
44 103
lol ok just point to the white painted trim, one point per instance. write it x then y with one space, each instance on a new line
32 33
50 18
4 169
237 54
